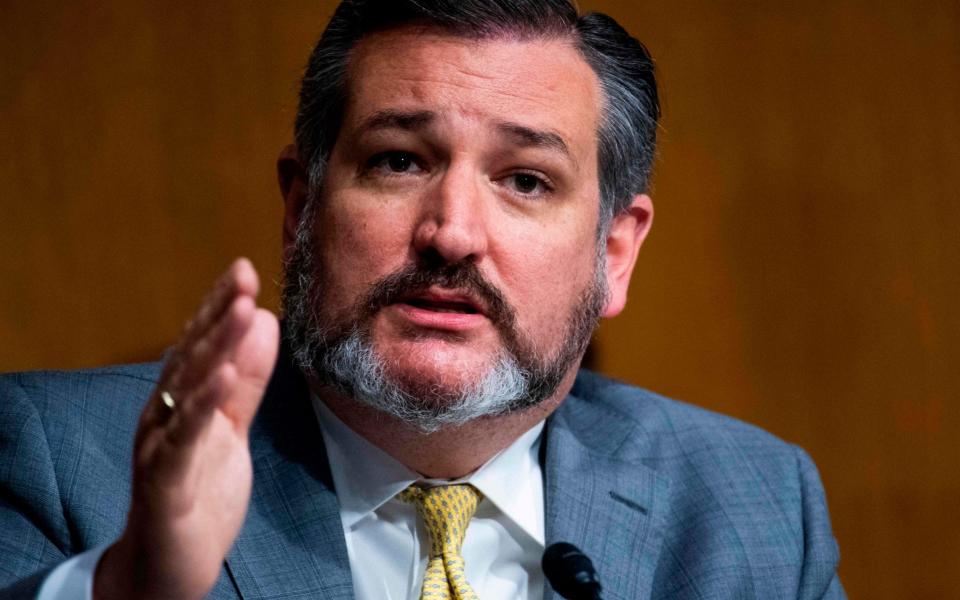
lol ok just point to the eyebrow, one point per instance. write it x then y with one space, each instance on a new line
397 119
419 119
535 138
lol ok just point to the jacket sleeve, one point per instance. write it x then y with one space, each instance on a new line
34 533
818 578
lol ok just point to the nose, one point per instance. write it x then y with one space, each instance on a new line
453 218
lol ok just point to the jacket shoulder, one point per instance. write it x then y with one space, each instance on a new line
667 422
740 499
65 446
46 384
65 400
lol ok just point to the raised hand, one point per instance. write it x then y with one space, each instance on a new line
192 474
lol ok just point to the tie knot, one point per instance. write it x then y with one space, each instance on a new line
446 511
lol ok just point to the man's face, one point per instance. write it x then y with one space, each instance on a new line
458 215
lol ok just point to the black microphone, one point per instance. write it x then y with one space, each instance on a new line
570 572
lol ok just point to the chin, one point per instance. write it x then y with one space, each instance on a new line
449 371
428 385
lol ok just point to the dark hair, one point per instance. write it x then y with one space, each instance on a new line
627 133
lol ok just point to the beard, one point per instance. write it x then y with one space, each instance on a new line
339 352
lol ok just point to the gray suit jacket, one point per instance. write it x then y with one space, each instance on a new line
669 501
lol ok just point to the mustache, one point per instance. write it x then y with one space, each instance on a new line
464 276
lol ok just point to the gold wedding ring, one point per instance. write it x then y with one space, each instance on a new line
168 400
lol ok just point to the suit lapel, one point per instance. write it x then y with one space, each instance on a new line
292 543
601 498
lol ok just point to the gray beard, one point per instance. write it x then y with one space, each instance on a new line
339 352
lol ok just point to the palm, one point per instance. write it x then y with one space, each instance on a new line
192 470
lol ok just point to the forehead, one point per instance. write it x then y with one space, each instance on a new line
540 83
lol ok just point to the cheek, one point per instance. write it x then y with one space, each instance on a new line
360 245
547 273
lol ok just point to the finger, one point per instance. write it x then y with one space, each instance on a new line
250 367
218 345
206 355
198 408
164 453
190 365
240 279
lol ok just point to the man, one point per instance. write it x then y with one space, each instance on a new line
465 199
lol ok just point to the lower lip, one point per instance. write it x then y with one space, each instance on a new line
432 319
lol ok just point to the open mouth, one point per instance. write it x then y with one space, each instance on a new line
444 306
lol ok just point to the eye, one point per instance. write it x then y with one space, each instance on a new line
528 184
394 162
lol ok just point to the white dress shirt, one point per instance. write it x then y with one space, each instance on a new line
388 546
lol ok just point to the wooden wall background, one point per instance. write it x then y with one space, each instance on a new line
801 274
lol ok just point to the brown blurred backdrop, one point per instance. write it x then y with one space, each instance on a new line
800 273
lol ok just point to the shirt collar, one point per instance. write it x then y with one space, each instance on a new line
365 477
513 481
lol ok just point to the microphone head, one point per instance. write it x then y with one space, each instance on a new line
570 572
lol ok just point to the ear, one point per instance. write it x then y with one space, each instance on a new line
292 177
627 232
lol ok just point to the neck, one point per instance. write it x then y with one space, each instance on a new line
451 452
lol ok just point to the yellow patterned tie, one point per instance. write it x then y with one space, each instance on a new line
446 511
